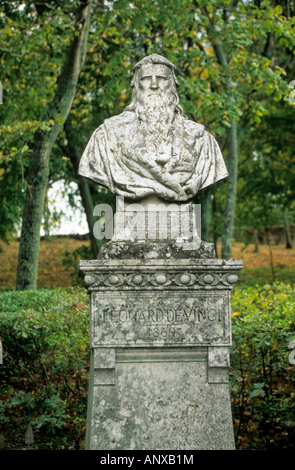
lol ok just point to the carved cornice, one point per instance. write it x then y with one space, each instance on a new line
203 276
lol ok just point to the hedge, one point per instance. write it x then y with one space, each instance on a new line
262 377
44 376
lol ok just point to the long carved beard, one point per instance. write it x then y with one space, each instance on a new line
157 113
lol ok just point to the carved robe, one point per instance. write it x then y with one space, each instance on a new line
122 156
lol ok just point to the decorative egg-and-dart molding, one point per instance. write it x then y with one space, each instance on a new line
170 279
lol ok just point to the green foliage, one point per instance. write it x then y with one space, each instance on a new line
71 261
266 171
260 276
44 377
262 379
34 39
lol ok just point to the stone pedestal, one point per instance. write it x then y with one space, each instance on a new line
160 338
160 300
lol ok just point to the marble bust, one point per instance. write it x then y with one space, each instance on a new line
152 148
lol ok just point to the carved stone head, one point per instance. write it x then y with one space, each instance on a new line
155 84
155 59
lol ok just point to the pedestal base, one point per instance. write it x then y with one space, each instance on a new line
157 400
160 338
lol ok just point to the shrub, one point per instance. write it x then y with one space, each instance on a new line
71 260
262 378
44 376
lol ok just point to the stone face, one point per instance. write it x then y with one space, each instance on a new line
152 148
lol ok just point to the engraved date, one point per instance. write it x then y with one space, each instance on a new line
163 333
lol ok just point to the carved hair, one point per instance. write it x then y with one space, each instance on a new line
156 59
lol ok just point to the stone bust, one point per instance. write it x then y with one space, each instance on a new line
152 148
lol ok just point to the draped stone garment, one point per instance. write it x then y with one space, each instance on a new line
122 156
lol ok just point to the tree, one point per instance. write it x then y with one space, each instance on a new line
231 57
266 191
72 151
41 147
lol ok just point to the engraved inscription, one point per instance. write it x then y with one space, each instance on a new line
128 319
160 314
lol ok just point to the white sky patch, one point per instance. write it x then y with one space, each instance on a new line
72 219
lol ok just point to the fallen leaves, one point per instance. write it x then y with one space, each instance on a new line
51 274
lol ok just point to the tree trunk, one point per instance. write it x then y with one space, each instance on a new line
232 161
289 244
206 214
46 216
84 186
87 202
231 139
43 141
272 268
256 241
232 168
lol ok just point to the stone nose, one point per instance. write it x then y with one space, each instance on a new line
154 83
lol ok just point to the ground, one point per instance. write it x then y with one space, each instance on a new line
56 269
52 271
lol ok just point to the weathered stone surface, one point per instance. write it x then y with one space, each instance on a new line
160 337
160 300
156 274
160 319
159 400
157 250
152 148
154 219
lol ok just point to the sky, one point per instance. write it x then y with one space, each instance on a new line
73 221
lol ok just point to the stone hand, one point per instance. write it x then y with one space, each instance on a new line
163 158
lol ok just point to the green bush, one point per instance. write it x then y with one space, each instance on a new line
44 376
262 378
71 261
